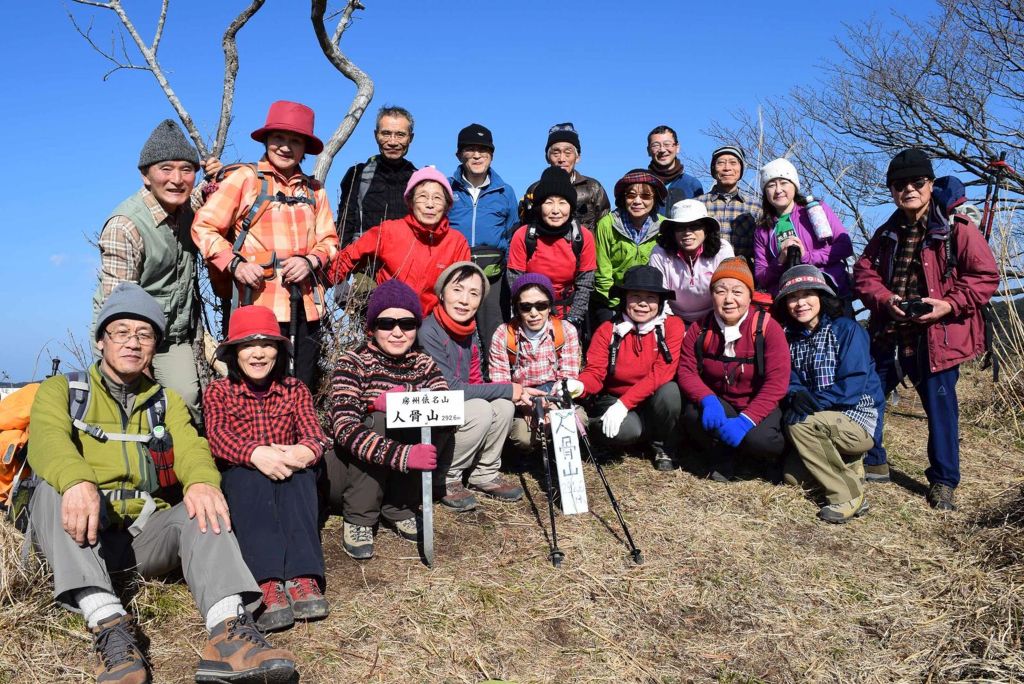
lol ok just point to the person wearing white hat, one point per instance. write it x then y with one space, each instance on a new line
792 219
690 248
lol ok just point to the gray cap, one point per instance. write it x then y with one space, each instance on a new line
128 300
167 143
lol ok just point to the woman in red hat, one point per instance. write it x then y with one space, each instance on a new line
263 428
291 236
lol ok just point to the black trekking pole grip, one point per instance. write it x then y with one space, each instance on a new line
792 256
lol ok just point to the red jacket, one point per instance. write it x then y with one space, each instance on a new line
755 397
405 249
960 335
640 369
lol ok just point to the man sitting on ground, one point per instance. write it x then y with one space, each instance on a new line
100 505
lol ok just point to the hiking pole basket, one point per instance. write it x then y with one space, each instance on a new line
634 552
556 554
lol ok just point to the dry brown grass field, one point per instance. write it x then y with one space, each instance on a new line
740 584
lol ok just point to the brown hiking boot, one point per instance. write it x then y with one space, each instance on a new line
500 489
120 660
237 652
940 497
457 497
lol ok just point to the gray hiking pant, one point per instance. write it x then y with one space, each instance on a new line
480 439
211 563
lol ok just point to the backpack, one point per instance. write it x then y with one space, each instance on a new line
757 332
512 340
158 442
616 342
222 281
15 409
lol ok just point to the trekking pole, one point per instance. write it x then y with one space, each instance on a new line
999 169
55 368
295 300
556 554
638 556
428 506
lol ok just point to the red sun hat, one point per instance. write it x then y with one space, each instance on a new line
294 118
252 323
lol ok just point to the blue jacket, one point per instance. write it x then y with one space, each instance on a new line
684 187
833 362
492 219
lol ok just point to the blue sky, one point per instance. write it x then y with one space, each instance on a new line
614 69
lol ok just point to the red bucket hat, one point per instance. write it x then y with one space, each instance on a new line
252 323
292 117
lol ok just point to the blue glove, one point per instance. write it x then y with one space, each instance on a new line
735 429
712 414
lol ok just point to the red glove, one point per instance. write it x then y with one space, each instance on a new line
381 402
422 457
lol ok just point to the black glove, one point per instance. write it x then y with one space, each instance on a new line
803 402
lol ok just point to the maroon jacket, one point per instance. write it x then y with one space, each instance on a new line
960 335
755 397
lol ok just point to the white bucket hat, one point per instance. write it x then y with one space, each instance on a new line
689 211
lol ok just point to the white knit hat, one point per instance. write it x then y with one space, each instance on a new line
779 168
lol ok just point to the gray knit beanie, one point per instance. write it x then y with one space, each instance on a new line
128 300
167 142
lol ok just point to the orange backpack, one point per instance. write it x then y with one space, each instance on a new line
14 414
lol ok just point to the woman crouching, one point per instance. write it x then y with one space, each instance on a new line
449 336
264 431
631 368
734 371
834 394
372 476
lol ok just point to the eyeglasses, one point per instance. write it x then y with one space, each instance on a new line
645 196
902 185
527 307
388 324
424 199
145 337
396 135
691 228
658 146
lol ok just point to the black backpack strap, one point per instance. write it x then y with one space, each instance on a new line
659 334
759 343
531 241
577 243
613 350
702 337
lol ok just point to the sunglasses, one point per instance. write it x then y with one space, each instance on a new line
406 324
527 307
901 186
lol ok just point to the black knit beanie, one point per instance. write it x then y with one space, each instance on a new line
910 163
167 143
563 132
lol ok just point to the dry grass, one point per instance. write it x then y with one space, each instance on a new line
741 584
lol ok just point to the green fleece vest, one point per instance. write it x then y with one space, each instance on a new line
168 267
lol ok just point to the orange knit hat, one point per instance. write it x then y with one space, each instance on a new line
735 267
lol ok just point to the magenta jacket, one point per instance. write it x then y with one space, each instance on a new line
960 336
828 255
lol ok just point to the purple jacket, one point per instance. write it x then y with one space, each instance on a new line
828 255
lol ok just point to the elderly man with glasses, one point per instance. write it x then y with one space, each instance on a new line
925 275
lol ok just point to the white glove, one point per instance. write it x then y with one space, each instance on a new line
574 387
612 419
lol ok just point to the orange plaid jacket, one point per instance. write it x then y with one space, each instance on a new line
284 229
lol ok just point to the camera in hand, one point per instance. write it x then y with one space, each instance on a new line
914 308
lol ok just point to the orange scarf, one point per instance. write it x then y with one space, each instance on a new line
459 331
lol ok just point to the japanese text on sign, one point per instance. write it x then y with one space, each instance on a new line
425 409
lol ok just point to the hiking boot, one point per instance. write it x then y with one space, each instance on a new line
120 660
940 497
308 603
662 461
357 540
407 528
720 476
276 613
237 652
844 512
457 497
501 489
877 473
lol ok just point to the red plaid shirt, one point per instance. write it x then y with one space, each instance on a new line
534 368
238 421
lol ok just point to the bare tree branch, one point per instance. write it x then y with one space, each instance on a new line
330 45
230 47
160 25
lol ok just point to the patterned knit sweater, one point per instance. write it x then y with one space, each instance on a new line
359 378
